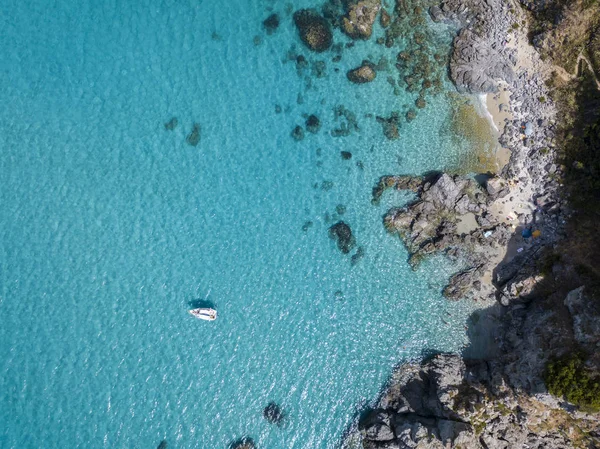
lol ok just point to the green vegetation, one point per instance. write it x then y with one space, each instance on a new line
568 378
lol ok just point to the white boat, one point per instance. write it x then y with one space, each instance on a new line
204 314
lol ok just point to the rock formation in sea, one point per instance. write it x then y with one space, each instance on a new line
342 233
359 18
271 23
314 30
363 74
539 386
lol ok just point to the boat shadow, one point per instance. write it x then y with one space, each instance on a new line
201 304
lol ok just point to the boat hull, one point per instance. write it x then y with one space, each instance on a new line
204 314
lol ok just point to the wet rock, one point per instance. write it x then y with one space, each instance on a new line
390 125
313 124
298 133
163 445
342 233
420 103
271 23
273 414
363 74
171 124
359 19
346 155
314 30
461 283
193 138
411 115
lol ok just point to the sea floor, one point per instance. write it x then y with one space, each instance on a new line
116 220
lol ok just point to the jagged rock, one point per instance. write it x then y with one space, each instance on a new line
443 193
359 19
461 283
475 66
314 30
496 188
342 233
271 23
363 74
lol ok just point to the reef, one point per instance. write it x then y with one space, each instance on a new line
271 23
314 30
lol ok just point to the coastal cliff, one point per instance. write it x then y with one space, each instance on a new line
539 387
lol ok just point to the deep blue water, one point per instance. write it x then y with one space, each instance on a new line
112 227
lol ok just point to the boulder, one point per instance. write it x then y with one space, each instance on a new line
298 133
363 74
476 66
314 30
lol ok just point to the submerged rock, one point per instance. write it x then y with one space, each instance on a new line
271 23
273 413
171 124
243 443
359 254
193 138
384 18
342 233
363 74
314 30
298 133
346 155
163 445
359 19
313 124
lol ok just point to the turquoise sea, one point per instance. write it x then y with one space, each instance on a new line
113 226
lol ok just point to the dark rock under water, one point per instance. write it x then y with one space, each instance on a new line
342 233
314 30
273 413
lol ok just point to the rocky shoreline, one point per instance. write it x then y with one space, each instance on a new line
504 229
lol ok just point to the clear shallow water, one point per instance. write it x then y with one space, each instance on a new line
112 227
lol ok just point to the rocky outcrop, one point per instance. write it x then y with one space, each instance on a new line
448 402
363 74
476 65
359 18
314 30
479 58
